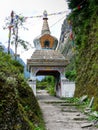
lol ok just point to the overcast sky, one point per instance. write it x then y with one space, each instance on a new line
32 8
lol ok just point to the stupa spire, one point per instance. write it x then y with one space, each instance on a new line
45 27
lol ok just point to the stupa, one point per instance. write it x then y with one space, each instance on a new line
46 60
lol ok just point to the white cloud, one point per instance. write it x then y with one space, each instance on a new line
32 8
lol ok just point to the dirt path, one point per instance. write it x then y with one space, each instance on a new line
59 116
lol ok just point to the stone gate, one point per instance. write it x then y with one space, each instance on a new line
46 60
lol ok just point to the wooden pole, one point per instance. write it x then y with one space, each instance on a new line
10 26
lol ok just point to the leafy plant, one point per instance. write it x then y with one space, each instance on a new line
71 75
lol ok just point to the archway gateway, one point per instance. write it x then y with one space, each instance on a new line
51 73
46 60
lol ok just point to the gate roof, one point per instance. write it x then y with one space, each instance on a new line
50 58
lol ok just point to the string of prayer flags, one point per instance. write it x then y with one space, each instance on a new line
77 8
71 36
40 16
73 49
12 17
11 26
80 5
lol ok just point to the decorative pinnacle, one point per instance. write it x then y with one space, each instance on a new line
45 14
45 27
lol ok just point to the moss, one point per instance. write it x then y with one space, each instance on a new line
19 109
85 27
87 70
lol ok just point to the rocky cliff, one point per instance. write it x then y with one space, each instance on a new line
67 48
84 19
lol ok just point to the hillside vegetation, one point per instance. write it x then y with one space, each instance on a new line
84 17
48 83
19 109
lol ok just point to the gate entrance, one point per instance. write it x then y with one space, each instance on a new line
56 75
46 60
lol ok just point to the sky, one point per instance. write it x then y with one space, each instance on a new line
30 8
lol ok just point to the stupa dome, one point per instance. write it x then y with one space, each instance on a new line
45 40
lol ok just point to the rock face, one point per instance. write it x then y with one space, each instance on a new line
85 28
87 63
65 43
67 48
86 32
